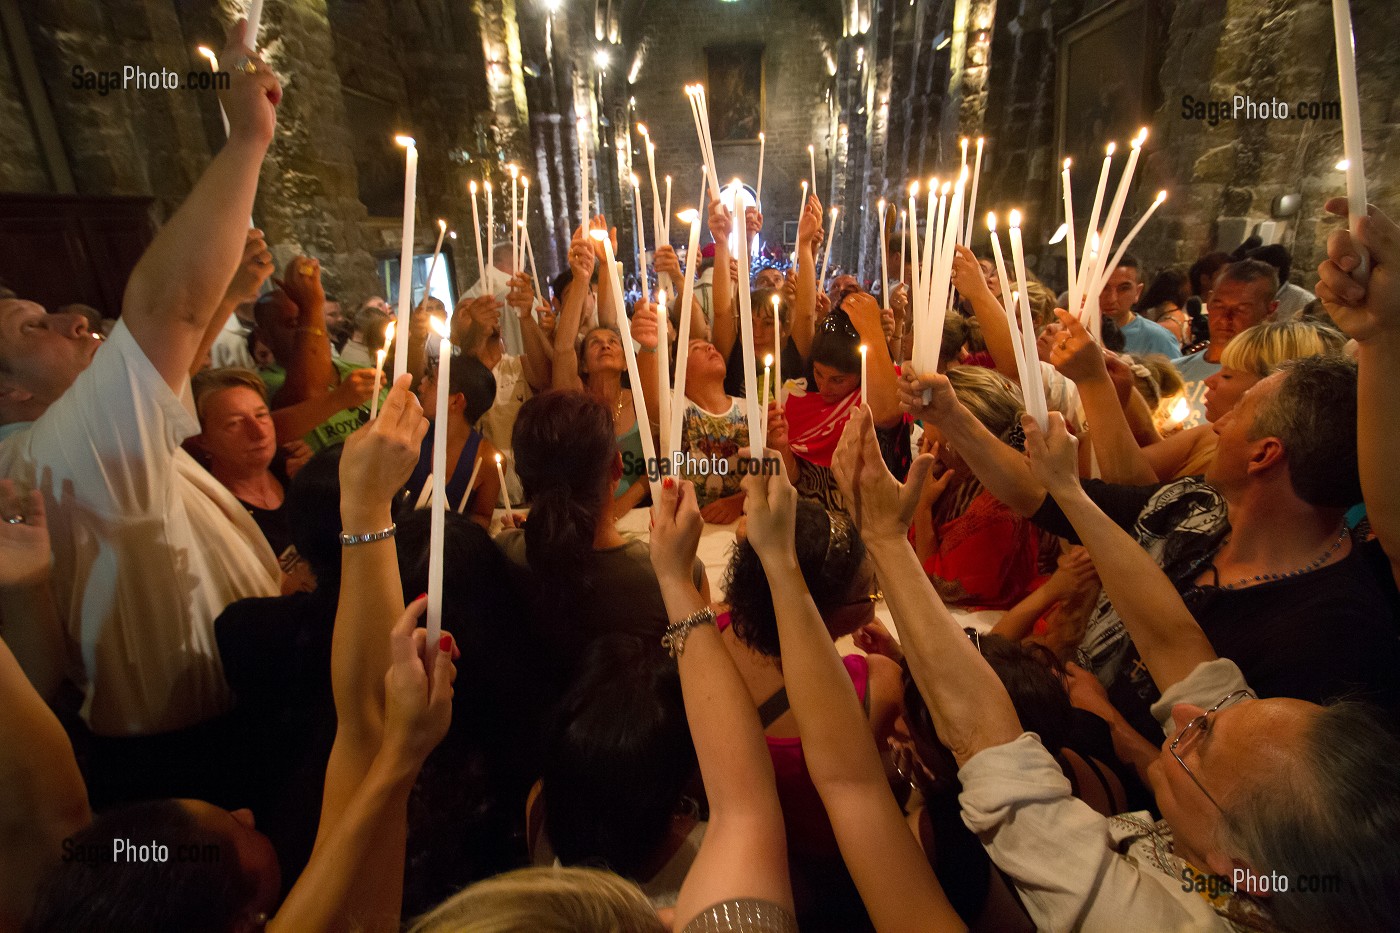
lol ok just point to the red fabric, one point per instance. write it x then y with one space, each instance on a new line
989 553
814 427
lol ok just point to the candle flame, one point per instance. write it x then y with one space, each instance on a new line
1180 410
406 141
981 139
514 171
767 360
642 128
1067 164
598 235
442 225
761 137
668 179
804 186
1343 165
379 356
992 221
1140 138
498 459
774 299
880 205
913 189
389 333
635 182
1059 234
834 212
661 298
1094 242
1112 148
688 216
524 180
452 233
811 149
439 325
947 186
209 54
1015 219
864 349
1161 196
472 186
488 186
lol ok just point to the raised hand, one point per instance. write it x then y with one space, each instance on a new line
1054 455
881 505
667 262
1363 310
967 275
253 270
777 428
1075 354
251 99
379 458
24 544
721 224
522 294
943 401
874 638
645 326
356 388
675 532
302 283
770 511
809 225
417 688
582 258
484 311
753 222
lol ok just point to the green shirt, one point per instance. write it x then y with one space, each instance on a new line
335 429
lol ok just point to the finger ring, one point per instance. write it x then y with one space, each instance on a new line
15 520
246 65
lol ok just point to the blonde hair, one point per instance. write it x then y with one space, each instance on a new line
208 382
991 398
1261 348
545 900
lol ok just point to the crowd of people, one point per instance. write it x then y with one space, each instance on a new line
1144 671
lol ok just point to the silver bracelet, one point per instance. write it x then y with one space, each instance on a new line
351 540
674 639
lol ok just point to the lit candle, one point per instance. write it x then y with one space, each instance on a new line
683 344
501 474
752 408
471 484
410 196
641 239
903 243
663 374
432 266
777 353
864 371
1351 125
763 394
214 67
826 257
583 176
1137 227
758 188
1031 389
1007 304
972 198
537 286
666 217
514 219
476 223
656 221
439 501
884 262
1071 254
802 209
1115 214
812 159
634 377
486 288
379 356
524 222
917 272
1082 279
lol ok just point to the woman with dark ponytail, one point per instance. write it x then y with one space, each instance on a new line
584 578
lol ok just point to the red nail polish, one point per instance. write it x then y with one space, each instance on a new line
421 596
445 643
668 483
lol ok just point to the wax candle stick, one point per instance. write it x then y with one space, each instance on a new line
1351 125
476 224
432 266
1115 214
916 272
666 217
629 352
524 221
763 394
486 288
1032 390
1071 254
826 257
663 374
501 475
583 176
972 198
812 159
641 238
471 484
903 243
864 372
1137 228
801 209
436 524
214 67
692 259
250 35
752 405
514 219
1007 305
657 223
538 286
884 263
410 196
758 188
379 356
1084 270
704 102
777 352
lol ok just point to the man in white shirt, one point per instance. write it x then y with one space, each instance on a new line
496 283
148 547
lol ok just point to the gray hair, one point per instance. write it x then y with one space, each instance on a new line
1249 270
1334 818
1313 412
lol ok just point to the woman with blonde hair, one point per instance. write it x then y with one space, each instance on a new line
1251 356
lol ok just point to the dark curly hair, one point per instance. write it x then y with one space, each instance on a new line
828 568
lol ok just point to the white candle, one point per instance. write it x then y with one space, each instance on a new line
777 353
1115 214
703 100
639 402
1137 227
378 374
666 217
801 209
1084 268
1351 124
864 371
826 257
812 159
1031 389
534 272
410 196
763 394
486 288
583 176
752 408
972 198
656 220
663 374
501 474
524 222
1007 305
641 238
471 484
250 36
912 229
683 344
758 188
214 67
903 243
476 222
432 266
514 219
884 262
1071 254
437 522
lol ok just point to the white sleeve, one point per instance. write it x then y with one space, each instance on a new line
1206 685
113 435
1059 852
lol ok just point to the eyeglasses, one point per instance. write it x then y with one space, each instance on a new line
869 599
1193 731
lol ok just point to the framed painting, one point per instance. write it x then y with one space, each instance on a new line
373 122
735 90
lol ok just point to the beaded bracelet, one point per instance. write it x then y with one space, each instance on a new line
674 639
369 538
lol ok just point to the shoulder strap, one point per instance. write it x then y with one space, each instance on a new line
773 708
